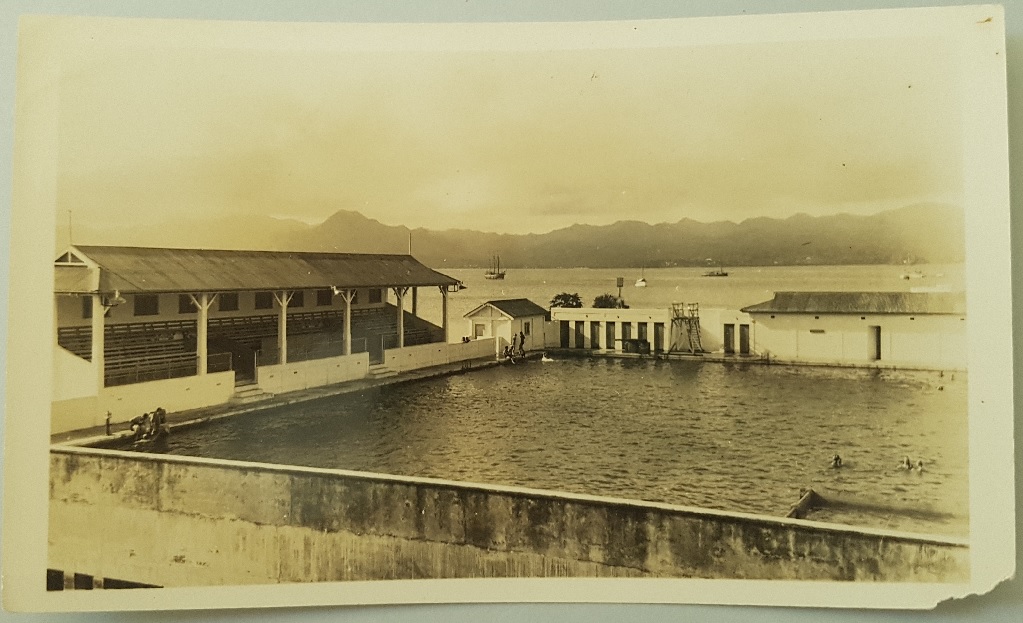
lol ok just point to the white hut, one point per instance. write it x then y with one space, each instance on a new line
911 329
505 318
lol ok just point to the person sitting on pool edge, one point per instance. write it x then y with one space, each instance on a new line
135 426
160 422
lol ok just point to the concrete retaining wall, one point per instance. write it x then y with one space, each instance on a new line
126 401
177 521
289 377
436 354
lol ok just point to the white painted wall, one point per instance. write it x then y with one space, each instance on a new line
924 341
426 355
294 376
73 377
497 325
126 401
712 332
633 317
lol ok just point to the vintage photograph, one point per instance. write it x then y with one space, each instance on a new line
360 303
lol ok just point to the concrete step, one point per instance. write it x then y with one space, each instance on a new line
249 393
380 371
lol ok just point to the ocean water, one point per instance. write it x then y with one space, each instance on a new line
736 437
743 286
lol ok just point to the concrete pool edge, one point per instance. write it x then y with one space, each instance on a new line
239 522
95 437
719 358
521 491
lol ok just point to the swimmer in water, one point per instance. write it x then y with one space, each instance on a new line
836 461
906 464
545 358
919 466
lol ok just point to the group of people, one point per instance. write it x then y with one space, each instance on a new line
905 464
909 465
517 348
149 425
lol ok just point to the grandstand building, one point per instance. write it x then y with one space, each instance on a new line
138 328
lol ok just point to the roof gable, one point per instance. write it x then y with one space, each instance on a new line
513 308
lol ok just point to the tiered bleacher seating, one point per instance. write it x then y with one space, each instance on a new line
252 330
143 351
139 351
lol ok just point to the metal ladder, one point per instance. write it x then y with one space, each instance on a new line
685 317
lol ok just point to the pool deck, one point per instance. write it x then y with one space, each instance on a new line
96 436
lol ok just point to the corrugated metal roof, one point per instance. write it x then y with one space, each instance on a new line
139 269
862 303
514 308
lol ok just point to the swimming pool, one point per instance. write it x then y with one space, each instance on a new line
738 437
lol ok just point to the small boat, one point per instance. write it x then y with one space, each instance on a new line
641 282
545 358
495 272
720 272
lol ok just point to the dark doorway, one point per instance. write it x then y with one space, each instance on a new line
580 332
375 347
609 335
729 339
564 333
875 343
744 339
658 337
594 335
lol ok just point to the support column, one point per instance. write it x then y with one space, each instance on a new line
650 334
399 295
348 296
98 322
283 298
415 300
202 323
617 346
444 312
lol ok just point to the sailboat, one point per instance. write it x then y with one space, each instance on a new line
641 282
495 272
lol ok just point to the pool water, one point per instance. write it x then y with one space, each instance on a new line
736 437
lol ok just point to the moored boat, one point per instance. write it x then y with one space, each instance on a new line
495 272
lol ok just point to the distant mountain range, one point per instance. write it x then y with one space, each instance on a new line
920 233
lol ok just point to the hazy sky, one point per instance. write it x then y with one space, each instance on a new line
510 141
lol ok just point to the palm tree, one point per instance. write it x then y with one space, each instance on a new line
566 300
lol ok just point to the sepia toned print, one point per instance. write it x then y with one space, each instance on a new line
335 304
